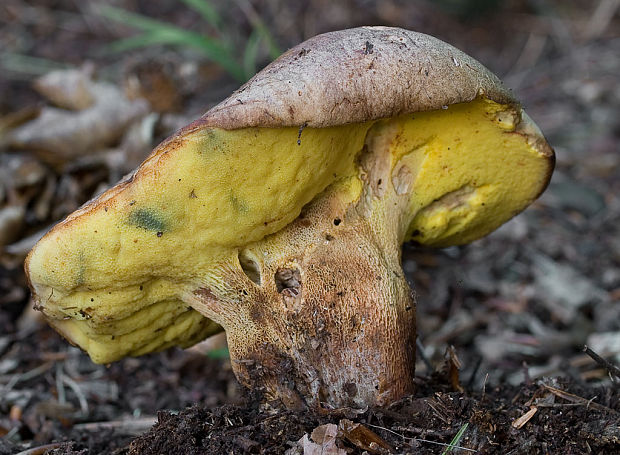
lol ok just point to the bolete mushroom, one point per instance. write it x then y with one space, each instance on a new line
279 216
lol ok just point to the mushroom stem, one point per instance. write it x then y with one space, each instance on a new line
320 314
331 325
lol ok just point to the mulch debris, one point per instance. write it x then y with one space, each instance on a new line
416 424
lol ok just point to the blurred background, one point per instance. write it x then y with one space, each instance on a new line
87 88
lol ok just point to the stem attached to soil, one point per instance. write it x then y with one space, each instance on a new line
320 314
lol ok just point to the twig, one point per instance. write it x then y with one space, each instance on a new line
558 405
15 378
601 18
434 406
610 367
417 431
126 426
421 440
527 379
40 450
60 388
578 400
472 376
454 366
78 392
484 386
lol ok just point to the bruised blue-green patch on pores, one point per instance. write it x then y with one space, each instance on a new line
148 219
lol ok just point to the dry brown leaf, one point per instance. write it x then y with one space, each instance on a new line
364 438
136 144
14 119
11 219
566 285
323 441
59 135
155 82
25 244
22 170
212 343
69 89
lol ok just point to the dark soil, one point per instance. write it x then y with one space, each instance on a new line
422 424
518 306
416 424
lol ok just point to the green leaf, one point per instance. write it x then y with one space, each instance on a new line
206 10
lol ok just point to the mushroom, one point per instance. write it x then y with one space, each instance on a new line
279 216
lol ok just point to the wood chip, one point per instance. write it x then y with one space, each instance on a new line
364 438
454 366
525 418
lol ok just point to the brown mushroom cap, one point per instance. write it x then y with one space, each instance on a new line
353 76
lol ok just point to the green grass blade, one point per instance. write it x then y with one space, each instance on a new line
454 444
250 54
26 64
274 49
164 33
259 25
210 48
158 32
219 353
136 42
134 20
206 10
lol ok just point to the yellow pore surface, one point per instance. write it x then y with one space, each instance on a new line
110 278
474 166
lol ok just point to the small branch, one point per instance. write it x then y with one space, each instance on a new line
78 392
13 379
127 426
472 376
60 387
610 367
427 362
40 450
590 404
601 18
